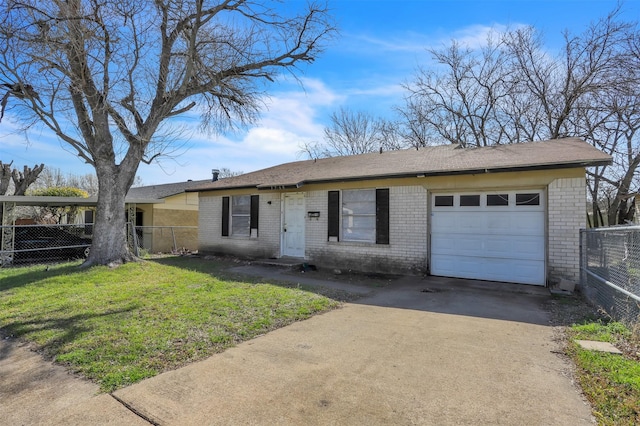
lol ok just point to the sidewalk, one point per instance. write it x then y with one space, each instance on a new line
37 392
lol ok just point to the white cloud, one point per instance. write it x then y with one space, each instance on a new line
292 117
405 42
478 36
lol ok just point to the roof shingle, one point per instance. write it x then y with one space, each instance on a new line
154 192
429 161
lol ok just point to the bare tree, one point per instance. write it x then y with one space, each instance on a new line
460 100
226 172
16 181
590 64
5 177
107 77
515 90
20 181
351 133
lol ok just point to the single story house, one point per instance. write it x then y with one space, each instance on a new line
507 213
166 215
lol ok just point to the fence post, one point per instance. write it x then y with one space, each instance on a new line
173 235
583 260
134 236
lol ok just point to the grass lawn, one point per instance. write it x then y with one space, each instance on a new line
610 382
119 326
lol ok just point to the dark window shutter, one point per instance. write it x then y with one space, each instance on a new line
253 223
382 216
225 216
333 216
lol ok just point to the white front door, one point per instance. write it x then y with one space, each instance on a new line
293 225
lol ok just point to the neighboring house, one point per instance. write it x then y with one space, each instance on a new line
165 216
168 206
15 206
503 213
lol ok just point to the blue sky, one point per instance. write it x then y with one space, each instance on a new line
380 45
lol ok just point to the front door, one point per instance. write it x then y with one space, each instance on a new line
293 225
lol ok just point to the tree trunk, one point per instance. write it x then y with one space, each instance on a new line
109 245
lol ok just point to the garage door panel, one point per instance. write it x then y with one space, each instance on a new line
491 246
457 244
500 243
524 223
455 222
520 223
515 247
527 223
506 270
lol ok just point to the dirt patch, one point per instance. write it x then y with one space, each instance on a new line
565 311
570 309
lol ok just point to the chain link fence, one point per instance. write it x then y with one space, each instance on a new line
610 271
24 244
43 243
163 239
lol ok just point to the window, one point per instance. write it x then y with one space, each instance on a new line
240 216
359 215
363 214
444 201
497 199
528 199
469 200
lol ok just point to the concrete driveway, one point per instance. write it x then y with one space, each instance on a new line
434 351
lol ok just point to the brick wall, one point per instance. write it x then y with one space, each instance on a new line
407 251
567 211
407 248
265 245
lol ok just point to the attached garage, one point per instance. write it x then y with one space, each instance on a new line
496 236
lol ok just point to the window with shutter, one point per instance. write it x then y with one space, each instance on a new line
240 215
360 215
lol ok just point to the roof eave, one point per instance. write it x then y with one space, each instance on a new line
223 188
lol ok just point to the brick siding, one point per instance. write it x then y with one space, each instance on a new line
407 248
566 216
267 243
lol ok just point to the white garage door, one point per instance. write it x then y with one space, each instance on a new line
497 236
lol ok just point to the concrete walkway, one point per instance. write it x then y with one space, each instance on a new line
431 351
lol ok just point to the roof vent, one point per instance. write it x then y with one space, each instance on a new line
215 173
